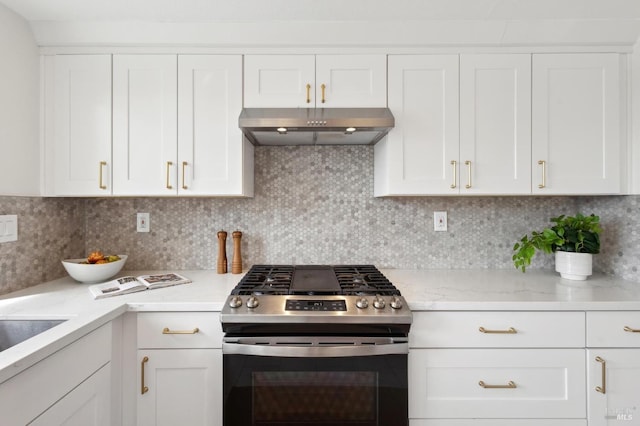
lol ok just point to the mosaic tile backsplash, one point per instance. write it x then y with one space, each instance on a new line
311 205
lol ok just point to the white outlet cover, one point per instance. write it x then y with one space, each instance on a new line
142 222
8 228
439 221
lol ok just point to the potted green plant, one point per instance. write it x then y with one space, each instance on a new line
574 239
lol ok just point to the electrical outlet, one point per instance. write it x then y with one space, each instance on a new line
142 222
439 221
8 228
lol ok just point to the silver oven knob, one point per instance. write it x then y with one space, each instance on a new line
396 303
362 303
235 302
252 302
378 302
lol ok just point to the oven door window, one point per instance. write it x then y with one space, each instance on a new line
363 391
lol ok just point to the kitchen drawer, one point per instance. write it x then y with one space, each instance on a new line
445 383
180 330
613 329
494 422
527 330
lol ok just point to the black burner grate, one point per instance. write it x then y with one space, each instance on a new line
265 279
363 280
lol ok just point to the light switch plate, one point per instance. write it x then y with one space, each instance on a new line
8 228
439 221
142 222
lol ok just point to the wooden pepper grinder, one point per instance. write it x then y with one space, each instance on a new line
222 252
236 263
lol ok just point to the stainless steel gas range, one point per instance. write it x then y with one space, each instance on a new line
315 344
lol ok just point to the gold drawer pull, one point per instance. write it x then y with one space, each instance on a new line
631 330
166 330
184 184
323 87
509 385
468 164
308 93
169 164
544 174
101 183
602 389
143 388
454 163
510 330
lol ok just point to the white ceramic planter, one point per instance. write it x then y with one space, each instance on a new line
574 266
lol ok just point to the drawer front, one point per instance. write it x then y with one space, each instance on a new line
545 383
497 329
613 329
179 330
494 422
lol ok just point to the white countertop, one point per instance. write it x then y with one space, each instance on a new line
423 289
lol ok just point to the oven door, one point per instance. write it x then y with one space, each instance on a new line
329 381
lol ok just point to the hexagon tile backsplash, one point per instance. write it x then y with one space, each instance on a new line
311 205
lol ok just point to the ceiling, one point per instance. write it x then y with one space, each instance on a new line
331 22
322 10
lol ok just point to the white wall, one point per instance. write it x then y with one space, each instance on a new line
19 107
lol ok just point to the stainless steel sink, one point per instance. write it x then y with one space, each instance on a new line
13 332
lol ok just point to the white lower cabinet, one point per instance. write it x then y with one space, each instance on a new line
179 369
497 368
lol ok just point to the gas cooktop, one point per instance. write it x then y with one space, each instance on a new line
348 280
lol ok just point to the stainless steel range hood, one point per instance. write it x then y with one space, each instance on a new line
315 126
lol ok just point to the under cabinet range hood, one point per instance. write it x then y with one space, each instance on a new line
315 126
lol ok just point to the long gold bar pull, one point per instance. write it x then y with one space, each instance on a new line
102 185
602 389
184 166
510 330
322 87
468 164
510 385
631 330
143 389
166 330
454 163
308 93
169 164
544 174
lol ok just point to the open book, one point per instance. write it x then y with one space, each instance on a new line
130 284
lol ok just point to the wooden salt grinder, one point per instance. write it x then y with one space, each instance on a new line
222 252
236 263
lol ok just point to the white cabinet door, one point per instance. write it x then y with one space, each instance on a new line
184 387
213 158
416 157
576 124
616 374
89 404
351 81
81 125
144 125
279 81
497 383
495 124
302 81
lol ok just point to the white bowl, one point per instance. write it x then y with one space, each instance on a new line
92 272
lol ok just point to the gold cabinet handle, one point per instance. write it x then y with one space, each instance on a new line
166 330
631 330
468 164
602 389
544 174
509 330
308 93
509 385
102 165
169 164
454 163
143 388
184 166
322 87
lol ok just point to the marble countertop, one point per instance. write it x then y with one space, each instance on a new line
424 290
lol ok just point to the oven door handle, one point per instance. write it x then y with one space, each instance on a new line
315 351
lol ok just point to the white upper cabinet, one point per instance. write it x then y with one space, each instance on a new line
300 81
495 124
463 126
415 157
213 157
577 111
144 124
78 130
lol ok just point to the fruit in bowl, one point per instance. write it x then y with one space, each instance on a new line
95 268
